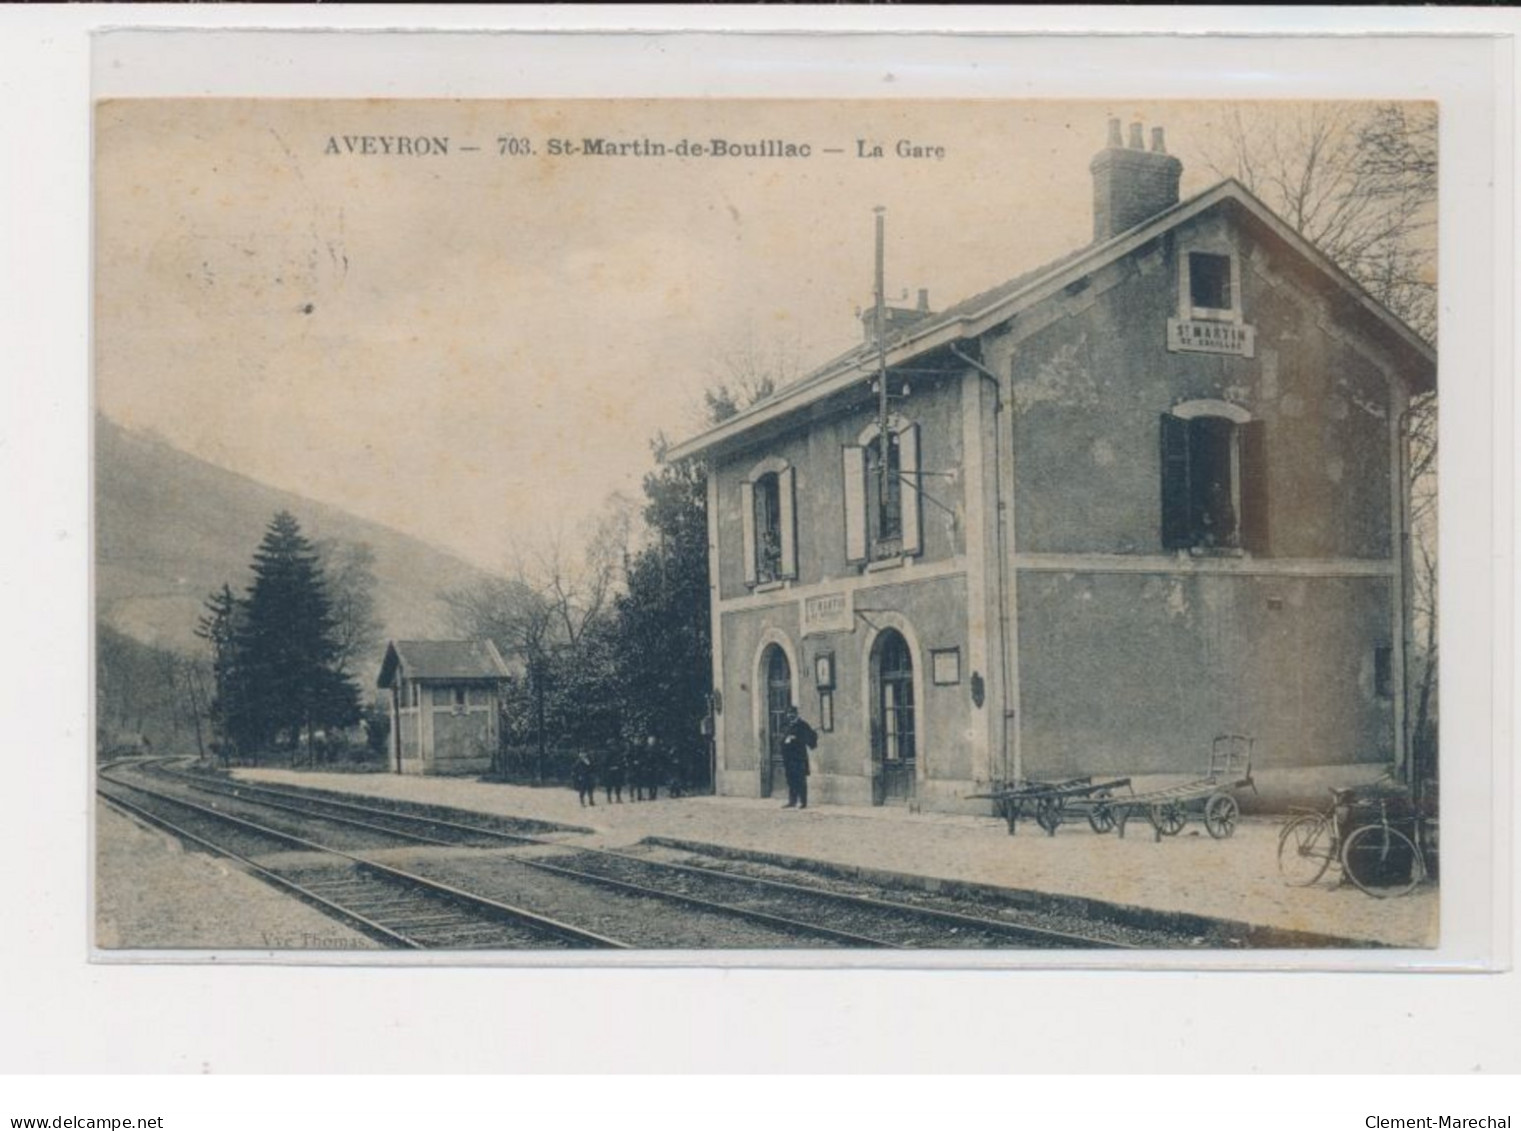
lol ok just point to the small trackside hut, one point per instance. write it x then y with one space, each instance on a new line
1152 491
446 700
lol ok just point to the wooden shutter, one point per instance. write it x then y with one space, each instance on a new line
908 476
1253 487
747 519
787 518
1177 511
854 459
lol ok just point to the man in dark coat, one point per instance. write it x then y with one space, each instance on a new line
797 739
583 774
613 768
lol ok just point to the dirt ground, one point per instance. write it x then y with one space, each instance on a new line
151 894
1232 879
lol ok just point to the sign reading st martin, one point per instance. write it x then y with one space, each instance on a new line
828 612
1188 336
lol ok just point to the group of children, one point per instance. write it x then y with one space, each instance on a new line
643 767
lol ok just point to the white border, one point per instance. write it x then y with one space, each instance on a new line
299 1019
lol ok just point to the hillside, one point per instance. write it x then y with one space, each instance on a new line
170 528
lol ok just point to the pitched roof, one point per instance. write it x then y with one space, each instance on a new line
981 312
442 659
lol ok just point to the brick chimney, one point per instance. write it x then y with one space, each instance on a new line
898 318
1131 184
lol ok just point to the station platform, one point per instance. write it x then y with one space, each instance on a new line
1191 873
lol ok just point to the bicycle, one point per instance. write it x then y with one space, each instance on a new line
1377 857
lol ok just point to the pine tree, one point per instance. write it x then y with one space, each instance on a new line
292 680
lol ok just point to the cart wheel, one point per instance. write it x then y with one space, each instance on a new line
1101 817
1168 818
1048 814
1220 813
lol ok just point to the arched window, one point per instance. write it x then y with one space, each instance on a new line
1214 479
896 679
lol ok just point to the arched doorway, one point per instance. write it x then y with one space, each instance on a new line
778 700
894 733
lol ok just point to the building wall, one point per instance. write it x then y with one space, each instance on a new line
1119 656
1090 385
463 739
1135 673
1132 657
444 738
814 450
940 599
931 613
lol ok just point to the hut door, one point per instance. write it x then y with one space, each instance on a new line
778 700
897 751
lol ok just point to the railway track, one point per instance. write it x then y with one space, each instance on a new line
789 912
392 905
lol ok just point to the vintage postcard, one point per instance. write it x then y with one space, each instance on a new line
814 528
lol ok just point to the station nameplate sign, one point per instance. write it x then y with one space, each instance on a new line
1188 336
828 612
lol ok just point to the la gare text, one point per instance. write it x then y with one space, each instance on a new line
441 145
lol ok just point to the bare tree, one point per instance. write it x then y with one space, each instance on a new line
747 373
543 610
1360 182
348 569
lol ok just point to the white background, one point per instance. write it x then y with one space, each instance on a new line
58 1013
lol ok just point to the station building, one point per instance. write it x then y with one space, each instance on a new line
1147 493
445 704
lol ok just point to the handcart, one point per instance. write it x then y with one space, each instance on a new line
1229 769
1050 801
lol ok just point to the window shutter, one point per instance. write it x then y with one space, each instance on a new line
855 503
747 518
787 515
1254 482
1177 525
908 473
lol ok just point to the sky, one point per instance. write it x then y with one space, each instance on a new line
477 348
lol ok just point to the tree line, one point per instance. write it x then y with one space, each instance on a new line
610 642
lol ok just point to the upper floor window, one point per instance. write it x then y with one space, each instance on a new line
767 507
1214 484
768 529
882 508
884 498
1211 287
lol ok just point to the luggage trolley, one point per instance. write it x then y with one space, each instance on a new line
1229 769
1050 801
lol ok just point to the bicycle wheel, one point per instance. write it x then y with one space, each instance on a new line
1382 861
1304 850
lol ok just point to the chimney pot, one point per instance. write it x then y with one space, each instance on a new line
1130 183
924 299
